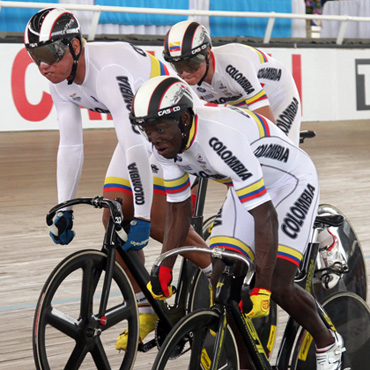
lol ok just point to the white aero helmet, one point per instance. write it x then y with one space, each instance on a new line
159 98
49 34
186 40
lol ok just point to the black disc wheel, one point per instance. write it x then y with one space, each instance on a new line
67 332
351 317
193 338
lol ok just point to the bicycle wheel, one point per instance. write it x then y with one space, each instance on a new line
193 292
355 280
351 317
67 334
193 337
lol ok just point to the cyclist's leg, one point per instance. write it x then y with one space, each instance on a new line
351 317
117 185
296 206
298 303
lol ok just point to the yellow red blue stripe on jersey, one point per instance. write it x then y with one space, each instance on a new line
263 57
158 185
263 126
193 132
238 103
227 182
257 98
117 184
158 68
231 244
252 191
289 254
177 185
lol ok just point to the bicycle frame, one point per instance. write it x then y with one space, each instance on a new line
166 314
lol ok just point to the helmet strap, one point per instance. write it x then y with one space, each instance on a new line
206 72
72 76
185 134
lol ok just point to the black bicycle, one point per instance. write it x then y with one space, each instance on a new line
79 330
205 340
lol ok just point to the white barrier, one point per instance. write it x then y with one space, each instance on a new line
334 84
98 9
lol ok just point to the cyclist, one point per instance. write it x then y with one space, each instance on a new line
270 207
242 76
235 74
101 77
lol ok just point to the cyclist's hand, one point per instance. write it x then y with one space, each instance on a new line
61 230
160 284
138 236
260 299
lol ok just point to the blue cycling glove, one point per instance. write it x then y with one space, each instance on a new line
61 230
138 237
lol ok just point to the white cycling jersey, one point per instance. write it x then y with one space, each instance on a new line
249 153
114 71
247 77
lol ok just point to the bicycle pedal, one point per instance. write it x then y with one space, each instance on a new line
145 347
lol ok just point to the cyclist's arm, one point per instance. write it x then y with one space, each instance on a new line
70 151
266 112
178 220
178 208
116 91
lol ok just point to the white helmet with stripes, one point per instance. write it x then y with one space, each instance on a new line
186 40
48 35
159 98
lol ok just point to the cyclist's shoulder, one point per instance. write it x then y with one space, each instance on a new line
232 59
116 54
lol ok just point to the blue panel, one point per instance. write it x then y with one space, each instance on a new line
255 27
143 19
16 19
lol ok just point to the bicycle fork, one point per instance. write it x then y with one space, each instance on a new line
250 338
247 329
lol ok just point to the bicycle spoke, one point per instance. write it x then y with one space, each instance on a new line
117 314
99 356
61 321
77 356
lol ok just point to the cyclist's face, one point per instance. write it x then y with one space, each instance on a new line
59 71
165 136
191 71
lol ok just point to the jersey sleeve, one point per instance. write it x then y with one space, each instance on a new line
70 155
176 180
115 87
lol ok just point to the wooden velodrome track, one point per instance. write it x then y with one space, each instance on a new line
341 152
